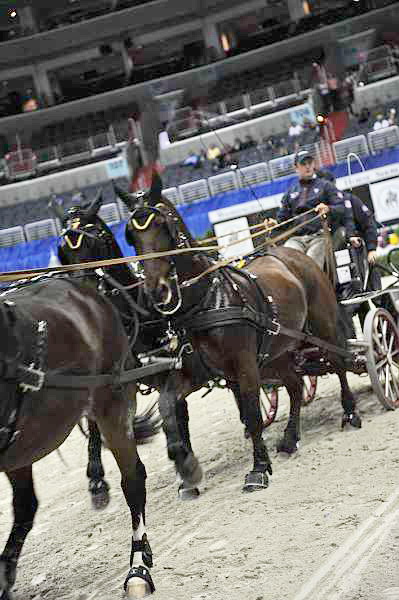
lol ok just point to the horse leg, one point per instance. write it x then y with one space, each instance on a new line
98 487
347 398
186 490
120 441
294 386
348 402
235 388
175 426
250 410
25 506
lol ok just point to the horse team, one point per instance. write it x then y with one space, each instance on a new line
224 323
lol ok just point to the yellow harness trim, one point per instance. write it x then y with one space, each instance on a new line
148 222
241 264
75 225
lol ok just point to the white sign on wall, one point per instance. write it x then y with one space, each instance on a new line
233 231
385 197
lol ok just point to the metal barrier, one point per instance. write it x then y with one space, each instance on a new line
357 144
194 191
40 230
20 164
253 175
172 194
382 68
12 236
225 182
282 167
379 140
109 213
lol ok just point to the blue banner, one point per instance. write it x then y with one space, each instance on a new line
42 253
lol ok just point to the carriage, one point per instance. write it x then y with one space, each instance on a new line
375 348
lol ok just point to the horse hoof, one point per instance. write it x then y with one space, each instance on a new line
288 447
254 481
139 583
188 493
356 421
99 490
352 419
191 471
247 435
5 583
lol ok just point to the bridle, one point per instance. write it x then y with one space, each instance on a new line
144 208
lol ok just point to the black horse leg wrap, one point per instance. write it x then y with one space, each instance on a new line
144 547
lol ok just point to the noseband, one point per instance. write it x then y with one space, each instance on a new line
75 228
171 222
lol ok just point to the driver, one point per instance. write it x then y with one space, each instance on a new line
310 192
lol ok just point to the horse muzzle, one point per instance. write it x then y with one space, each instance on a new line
166 296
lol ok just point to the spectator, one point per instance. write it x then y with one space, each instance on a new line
294 133
248 142
281 147
380 122
364 116
333 84
347 92
295 130
214 155
237 145
320 77
392 116
193 160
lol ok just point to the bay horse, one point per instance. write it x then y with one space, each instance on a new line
53 332
86 238
146 425
233 320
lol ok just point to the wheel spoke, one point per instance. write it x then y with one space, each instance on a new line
381 364
391 341
386 380
394 383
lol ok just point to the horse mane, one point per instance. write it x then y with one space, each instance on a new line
181 224
116 248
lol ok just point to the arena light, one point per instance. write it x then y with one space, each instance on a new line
13 13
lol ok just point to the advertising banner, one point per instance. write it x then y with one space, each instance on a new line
385 197
232 231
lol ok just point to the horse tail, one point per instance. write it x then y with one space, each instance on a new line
147 424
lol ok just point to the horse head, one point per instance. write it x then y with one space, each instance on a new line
85 236
155 226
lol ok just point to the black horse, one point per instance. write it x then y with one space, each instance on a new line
86 238
52 330
234 320
148 424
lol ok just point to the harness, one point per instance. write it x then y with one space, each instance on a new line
263 318
26 371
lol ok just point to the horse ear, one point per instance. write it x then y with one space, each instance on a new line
95 205
126 198
155 192
56 208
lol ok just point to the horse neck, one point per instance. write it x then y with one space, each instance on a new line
188 266
122 274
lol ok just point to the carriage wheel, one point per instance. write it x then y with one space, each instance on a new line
381 332
309 389
268 399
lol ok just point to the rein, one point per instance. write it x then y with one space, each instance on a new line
31 273
229 261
